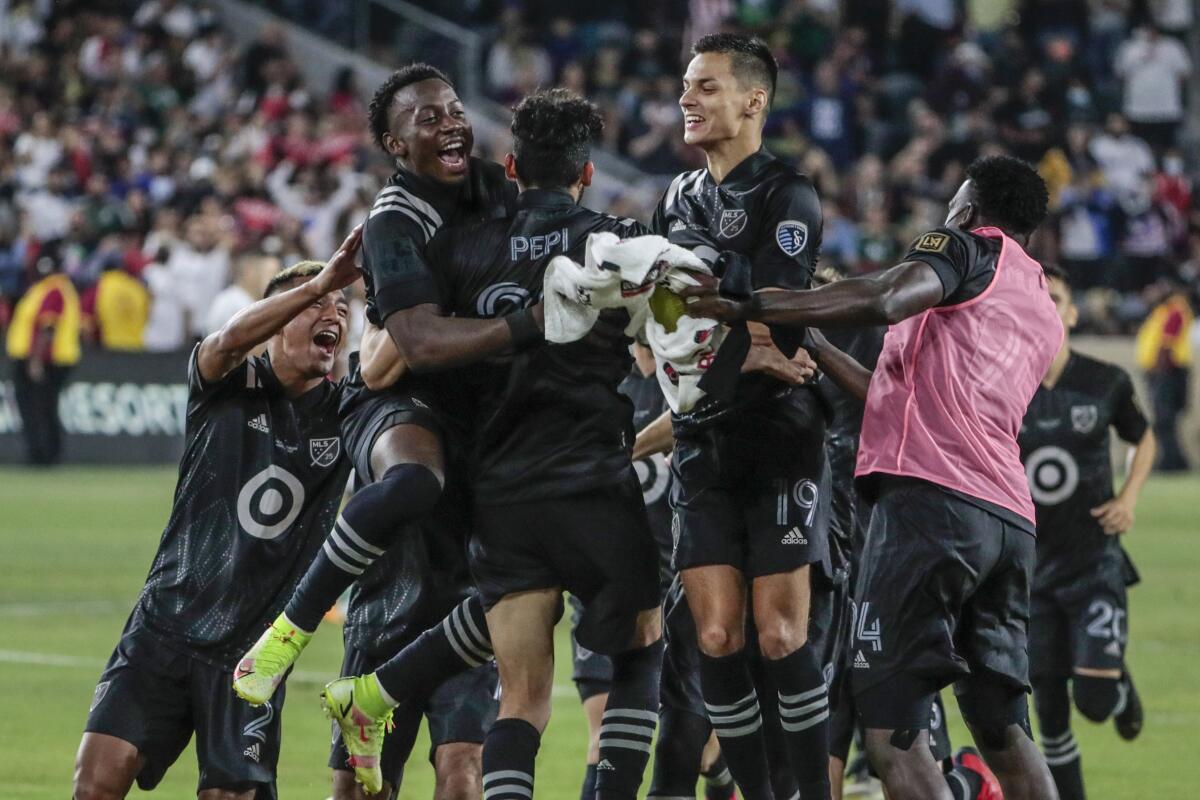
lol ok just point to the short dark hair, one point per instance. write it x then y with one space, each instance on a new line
1057 273
377 112
553 131
750 59
1009 191
301 269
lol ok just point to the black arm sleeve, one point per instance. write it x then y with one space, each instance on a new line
393 258
950 254
789 241
1128 420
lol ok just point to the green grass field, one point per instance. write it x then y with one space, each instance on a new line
75 545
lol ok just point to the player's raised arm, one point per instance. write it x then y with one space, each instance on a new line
222 350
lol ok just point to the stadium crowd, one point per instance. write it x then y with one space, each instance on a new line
885 103
139 142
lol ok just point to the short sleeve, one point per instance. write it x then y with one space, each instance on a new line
785 256
1128 420
394 240
200 390
945 251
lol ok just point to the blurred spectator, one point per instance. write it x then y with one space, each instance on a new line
199 266
116 309
43 342
166 325
1164 352
251 274
312 202
1126 160
1153 68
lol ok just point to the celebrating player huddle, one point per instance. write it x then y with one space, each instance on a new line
493 471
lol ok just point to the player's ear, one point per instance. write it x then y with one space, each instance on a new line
395 146
585 177
757 103
1072 316
510 167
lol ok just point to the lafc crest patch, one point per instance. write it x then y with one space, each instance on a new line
324 451
932 243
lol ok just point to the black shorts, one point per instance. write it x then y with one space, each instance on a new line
461 709
366 414
155 697
829 630
592 672
680 683
746 491
942 594
1083 624
596 545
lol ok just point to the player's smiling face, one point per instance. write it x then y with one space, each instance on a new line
715 106
430 131
310 342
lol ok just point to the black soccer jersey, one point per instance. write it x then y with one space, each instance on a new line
414 585
259 485
764 210
1064 443
551 421
653 472
407 212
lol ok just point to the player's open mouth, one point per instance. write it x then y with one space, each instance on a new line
454 156
326 341
692 121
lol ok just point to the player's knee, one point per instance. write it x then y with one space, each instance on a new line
780 639
91 788
1096 698
418 487
459 772
718 640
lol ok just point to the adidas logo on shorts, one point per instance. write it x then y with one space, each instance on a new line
794 536
605 764
259 424
253 752
860 661
1113 649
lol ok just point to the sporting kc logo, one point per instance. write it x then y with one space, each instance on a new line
733 222
324 451
791 236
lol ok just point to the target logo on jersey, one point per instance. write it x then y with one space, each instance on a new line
270 502
1053 475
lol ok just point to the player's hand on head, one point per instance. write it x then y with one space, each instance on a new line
1115 516
341 270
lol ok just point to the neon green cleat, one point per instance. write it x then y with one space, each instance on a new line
362 733
263 668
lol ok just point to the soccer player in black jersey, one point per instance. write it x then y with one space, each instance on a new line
259 484
415 585
1079 618
746 469
682 750
950 549
400 439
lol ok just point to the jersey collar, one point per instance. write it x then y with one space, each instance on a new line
747 168
545 198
